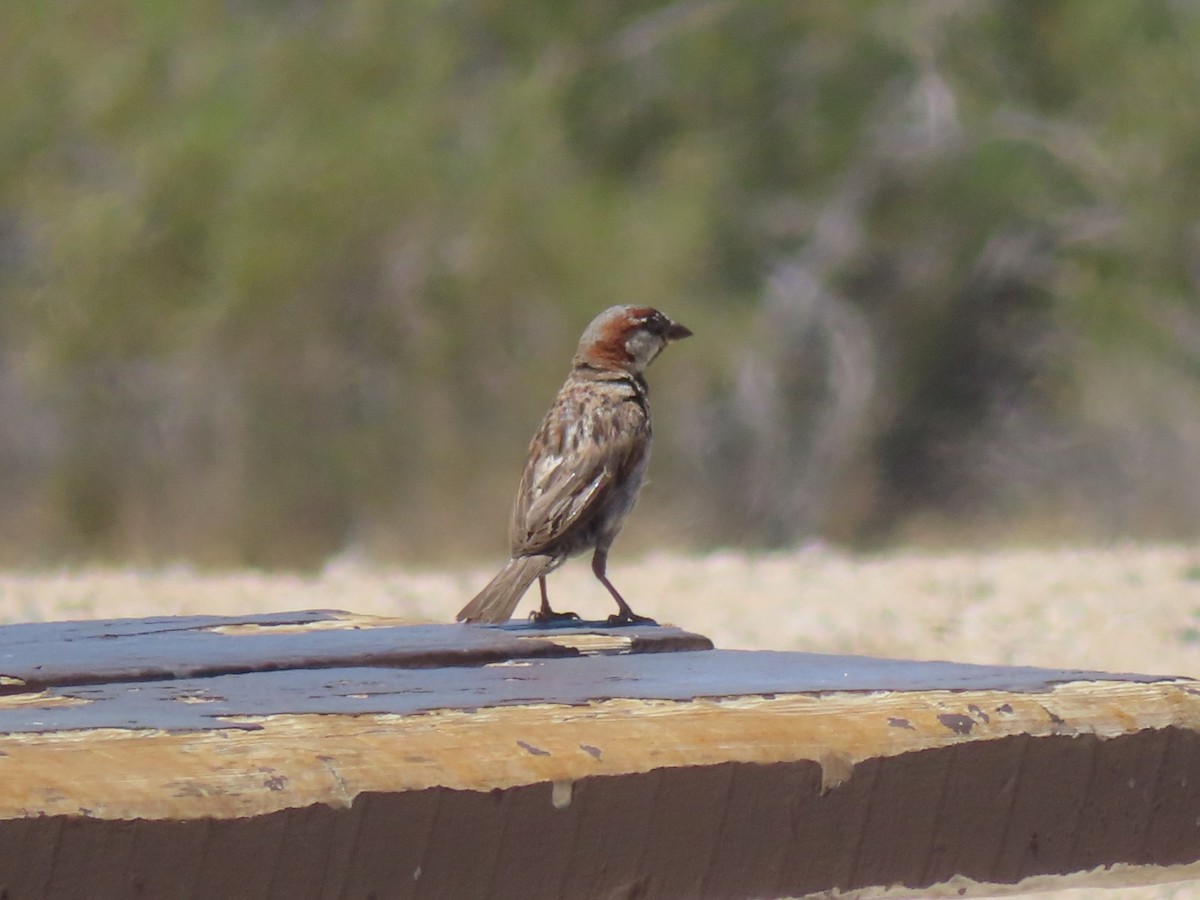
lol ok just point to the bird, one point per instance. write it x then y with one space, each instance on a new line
585 465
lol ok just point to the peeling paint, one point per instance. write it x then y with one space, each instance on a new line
957 722
836 770
561 793
979 713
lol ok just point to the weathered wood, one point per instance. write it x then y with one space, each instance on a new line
454 761
46 654
235 701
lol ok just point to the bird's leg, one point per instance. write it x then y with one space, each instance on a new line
546 615
625 615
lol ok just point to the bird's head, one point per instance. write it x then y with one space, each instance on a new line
627 338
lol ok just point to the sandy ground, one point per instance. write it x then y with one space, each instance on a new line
1119 608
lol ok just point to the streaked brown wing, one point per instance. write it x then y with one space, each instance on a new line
563 489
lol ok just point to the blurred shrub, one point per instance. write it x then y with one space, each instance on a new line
283 279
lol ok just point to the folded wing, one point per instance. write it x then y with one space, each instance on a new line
565 487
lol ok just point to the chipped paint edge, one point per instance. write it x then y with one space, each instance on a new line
294 761
1118 875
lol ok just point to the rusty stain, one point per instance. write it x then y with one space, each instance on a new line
898 722
957 722
529 748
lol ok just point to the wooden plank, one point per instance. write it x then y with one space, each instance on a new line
592 765
234 701
289 759
49 654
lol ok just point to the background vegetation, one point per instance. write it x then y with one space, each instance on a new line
281 280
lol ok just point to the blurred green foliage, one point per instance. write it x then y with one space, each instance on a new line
280 280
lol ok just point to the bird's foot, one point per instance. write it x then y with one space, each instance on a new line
618 619
549 616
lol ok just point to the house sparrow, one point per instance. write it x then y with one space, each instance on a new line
586 464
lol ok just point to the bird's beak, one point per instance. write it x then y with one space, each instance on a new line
676 332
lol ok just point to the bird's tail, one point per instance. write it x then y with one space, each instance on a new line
496 602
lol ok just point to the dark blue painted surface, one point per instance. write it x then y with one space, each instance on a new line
55 654
173 704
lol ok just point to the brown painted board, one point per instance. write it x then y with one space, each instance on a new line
595 770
